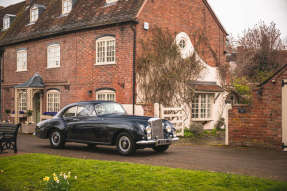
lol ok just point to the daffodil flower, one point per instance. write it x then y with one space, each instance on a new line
46 179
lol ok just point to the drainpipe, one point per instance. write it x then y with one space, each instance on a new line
1 56
133 27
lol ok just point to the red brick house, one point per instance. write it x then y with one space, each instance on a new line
57 52
264 122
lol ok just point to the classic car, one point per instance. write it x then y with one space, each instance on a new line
106 123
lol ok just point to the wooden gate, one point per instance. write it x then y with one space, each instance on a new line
175 116
284 114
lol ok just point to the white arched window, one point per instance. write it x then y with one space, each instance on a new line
106 50
106 95
22 103
53 101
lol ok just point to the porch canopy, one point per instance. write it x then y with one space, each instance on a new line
205 86
24 94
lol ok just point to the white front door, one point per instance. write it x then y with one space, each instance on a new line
284 113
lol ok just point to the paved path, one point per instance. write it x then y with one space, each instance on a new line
246 161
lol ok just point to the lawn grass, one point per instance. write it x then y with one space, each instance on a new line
25 172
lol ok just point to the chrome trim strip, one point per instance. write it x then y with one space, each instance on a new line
155 141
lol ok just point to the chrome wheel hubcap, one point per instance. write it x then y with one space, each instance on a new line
56 138
124 144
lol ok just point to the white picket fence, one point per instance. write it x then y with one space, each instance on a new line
176 116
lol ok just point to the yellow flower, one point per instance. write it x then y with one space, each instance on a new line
46 179
56 179
76 177
54 174
69 174
1 171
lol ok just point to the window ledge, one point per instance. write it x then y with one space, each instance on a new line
22 71
31 23
63 15
103 64
202 119
50 68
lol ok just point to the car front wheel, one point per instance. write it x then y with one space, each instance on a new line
57 139
125 144
161 149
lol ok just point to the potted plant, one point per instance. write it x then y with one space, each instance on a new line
8 111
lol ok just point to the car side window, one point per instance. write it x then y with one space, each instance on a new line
71 112
83 111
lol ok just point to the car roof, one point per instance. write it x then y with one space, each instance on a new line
94 102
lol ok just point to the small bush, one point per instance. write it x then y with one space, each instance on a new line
219 124
188 133
196 128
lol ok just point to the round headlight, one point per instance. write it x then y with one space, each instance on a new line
168 128
148 130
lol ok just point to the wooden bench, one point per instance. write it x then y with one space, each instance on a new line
8 137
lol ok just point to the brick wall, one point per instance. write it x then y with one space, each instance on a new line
260 124
182 16
77 74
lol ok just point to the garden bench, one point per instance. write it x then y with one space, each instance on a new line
8 136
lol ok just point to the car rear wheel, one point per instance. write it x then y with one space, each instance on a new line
161 149
57 139
125 144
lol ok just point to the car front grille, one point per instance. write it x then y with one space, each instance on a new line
157 129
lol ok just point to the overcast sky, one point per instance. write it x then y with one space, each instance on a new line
237 15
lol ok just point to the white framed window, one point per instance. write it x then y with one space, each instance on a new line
106 95
67 6
21 60
106 50
22 100
6 22
34 14
53 56
53 100
202 106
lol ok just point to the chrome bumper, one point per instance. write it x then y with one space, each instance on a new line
158 141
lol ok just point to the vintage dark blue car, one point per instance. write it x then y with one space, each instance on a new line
106 123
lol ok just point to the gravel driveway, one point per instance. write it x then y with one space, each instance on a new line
246 161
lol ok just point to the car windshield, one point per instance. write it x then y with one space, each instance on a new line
109 108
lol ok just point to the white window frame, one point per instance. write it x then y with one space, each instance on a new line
206 100
34 14
22 100
21 60
53 100
54 56
6 22
67 6
106 50
106 95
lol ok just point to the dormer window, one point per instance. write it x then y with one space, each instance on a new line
7 20
67 6
34 15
